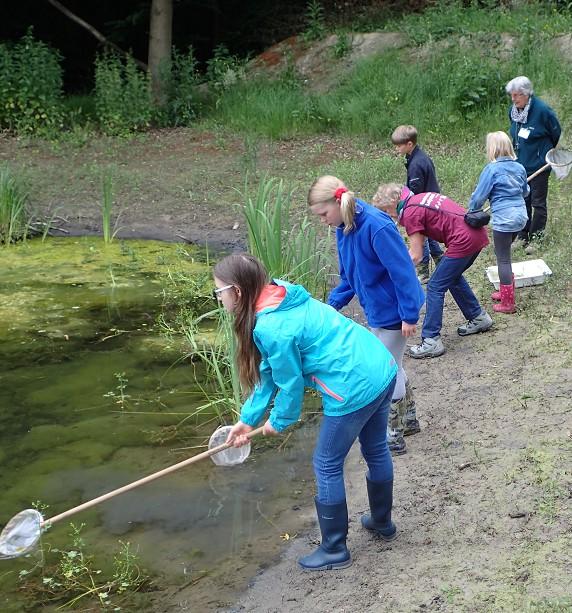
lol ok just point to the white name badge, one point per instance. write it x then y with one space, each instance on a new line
524 133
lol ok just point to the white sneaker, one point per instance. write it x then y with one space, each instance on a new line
429 348
481 323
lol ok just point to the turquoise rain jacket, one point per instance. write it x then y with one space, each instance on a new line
306 343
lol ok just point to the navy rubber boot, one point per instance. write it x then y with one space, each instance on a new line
380 503
332 553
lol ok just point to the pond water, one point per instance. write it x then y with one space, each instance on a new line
92 397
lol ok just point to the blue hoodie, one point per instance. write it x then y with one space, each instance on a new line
376 266
305 343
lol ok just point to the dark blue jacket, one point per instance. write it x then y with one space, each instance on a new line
543 134
376 267
421 175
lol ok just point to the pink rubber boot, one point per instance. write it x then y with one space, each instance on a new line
496 296
507 300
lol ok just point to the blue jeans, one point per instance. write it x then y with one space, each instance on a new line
432 247
337 435
449 276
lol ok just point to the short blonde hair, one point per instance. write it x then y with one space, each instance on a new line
323 191
387 195
404 134
499 145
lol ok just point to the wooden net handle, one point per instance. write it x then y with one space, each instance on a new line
143 480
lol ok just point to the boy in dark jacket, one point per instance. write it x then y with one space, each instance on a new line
421 178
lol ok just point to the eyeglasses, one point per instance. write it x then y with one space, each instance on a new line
217 291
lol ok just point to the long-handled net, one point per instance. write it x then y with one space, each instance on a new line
21 534
559 160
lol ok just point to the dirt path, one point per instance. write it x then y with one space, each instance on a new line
481 498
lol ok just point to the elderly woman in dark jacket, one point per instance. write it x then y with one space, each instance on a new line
534 129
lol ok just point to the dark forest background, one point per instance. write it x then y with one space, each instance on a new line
243 26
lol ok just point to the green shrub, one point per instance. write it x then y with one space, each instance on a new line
224 70
122 95
30 87
181 79
315 22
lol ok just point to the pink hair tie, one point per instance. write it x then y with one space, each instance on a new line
338 193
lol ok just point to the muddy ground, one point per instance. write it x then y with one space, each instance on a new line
482 498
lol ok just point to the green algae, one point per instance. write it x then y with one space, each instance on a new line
43 282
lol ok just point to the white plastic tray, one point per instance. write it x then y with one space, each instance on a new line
531 272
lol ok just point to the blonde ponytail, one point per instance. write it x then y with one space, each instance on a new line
324 191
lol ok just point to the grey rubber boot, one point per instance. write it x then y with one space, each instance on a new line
380 497
332 552
423 272
396 427
411 423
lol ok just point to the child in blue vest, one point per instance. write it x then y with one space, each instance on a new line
286 341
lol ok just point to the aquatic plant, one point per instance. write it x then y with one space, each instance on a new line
221 386
288 250
118 394
107 206
75 577
14 218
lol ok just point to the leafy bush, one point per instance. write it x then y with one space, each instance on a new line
315 22
182 80
30 87
122 95
224 70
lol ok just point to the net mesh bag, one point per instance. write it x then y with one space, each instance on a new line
20 534
231 455
560 161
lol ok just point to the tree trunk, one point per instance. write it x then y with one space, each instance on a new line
160 36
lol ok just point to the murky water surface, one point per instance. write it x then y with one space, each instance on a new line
91 395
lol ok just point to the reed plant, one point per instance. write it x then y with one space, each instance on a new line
289 250
14 217
221 385
107 206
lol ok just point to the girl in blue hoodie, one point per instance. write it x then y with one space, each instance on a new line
376 267
287 341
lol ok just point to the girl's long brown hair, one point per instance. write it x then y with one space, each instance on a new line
247 273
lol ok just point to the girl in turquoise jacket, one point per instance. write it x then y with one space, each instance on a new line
287 341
